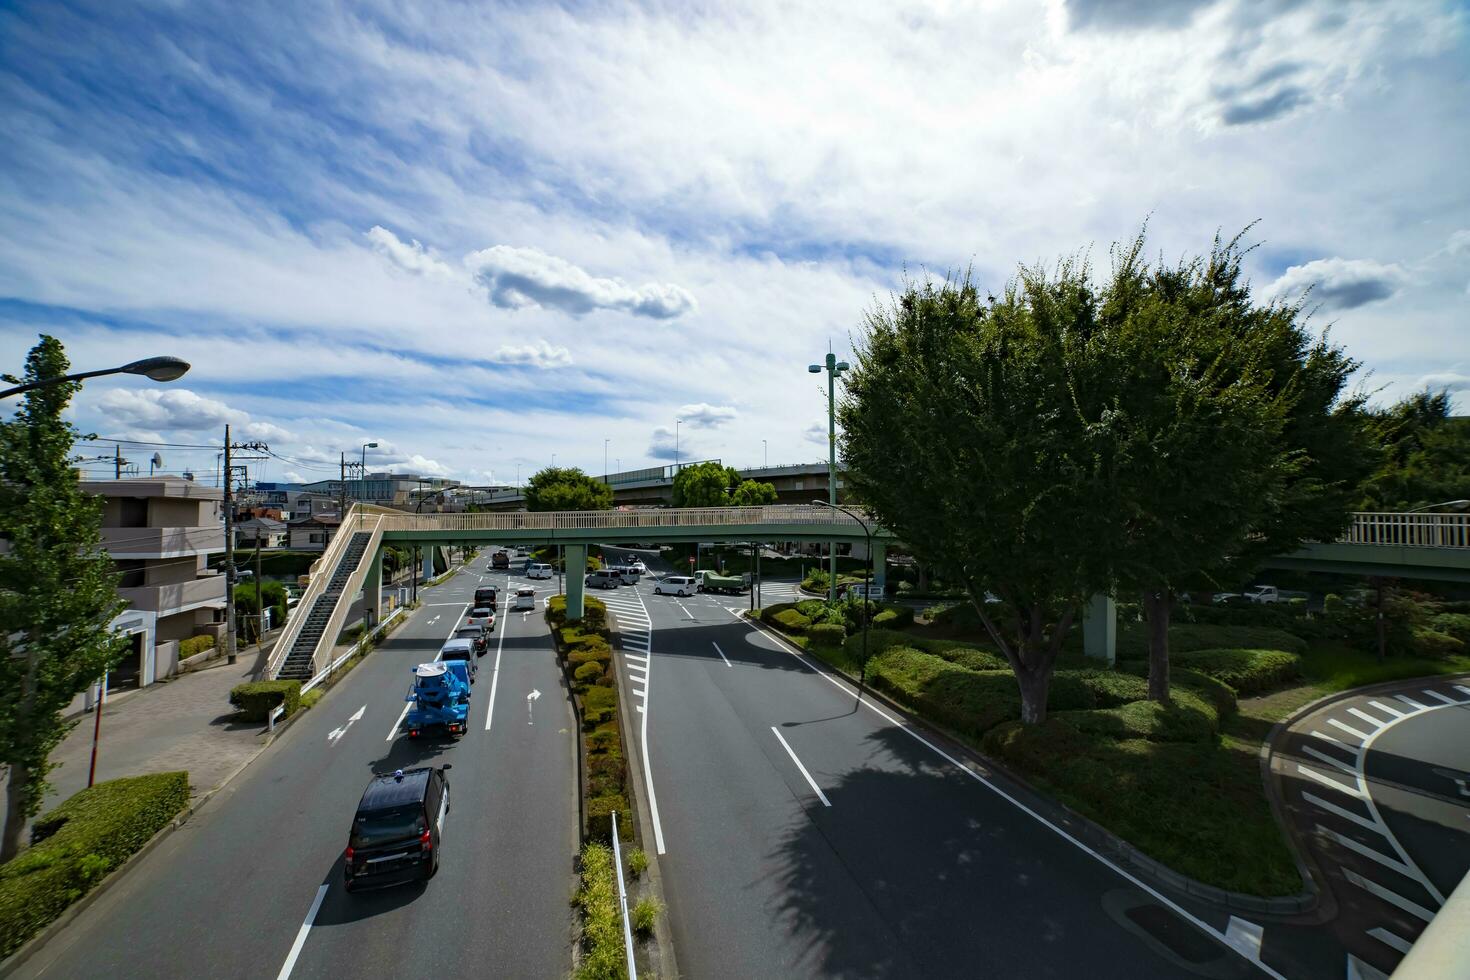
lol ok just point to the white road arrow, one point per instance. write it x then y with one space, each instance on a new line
530 700
336 734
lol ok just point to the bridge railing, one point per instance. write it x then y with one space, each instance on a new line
663 517
1419 530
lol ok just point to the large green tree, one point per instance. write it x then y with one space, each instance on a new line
709 484
1426 457
58 590
566 488
976 430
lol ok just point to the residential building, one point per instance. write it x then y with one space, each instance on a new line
313 532
160 531
267 531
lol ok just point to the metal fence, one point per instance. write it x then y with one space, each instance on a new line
788 515
1417 530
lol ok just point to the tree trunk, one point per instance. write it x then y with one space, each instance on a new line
15 811
923 577
1034 686
1156 612
1382 622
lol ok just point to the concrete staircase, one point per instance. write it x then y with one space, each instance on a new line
300 662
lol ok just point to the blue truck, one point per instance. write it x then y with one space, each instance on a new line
439 701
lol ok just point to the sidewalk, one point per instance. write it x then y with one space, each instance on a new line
186 724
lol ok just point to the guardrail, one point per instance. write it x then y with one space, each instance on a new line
1417 530
580 520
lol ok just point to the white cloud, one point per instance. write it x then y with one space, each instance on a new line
539 354
410 257
515 278
816 433
181 409
291 476
1341 284
1459 243
1451 380
705 416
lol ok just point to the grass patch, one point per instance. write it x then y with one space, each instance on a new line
1334 666
637 862
311 697
602 928
645 915
78 843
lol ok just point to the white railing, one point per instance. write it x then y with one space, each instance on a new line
1417 530
581 520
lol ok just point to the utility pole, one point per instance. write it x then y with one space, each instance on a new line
117 461
342 485
230 540
259 605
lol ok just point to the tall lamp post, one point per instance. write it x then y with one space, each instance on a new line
677 423
1446 504
362 470
834 368
867 586
158 368
604 461
765 455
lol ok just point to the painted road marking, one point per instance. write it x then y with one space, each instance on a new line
686 611
1394 712
1336 810
336 734
722 655
1375 722
1410 702
531 699
634 656
1348 728
1335 741
1388 895
1245 936
1393 864
810 781
1324 757
1102 859
495 678
1441 697
1389 939
290 963
1327 781
1462 689
1358 970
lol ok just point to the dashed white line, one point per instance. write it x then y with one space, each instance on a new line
1336 810
1441 697
1462 689
1394 712
808 776
1362 736
1410 702
1393 864
1327 781
1388 895
1389 939
722 655
1245 936
1335 741
1324 757
1375 722
301 934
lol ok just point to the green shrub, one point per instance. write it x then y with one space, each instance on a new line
894 617
311 697
645 914
1186 637
827 634
637 862
1189 718
602 739
195 645
1246 671
599 705
254 700
602 927
769 613
1212 689
791 621
599 817
1432 643
590 650
587 673
76 844
1333 605
1453 624
1111 688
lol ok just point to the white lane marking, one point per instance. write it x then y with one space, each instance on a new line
1333 808
1394 712
495 677
336 734
1363 736
1358 970
1462 689
809 780
1245 936
1375 722
432 621
1392 864
531 699
641 692
686 611
1410 702
641 711
1389 939
1324 757
1441 697
722 655
290 963
1335 741
1137 882
1327 781
393 732
634 656
1388 895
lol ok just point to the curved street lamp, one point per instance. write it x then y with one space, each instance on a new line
1446 504
161 369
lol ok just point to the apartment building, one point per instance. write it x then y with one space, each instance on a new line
160 531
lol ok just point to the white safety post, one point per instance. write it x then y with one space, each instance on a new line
272 715
623 899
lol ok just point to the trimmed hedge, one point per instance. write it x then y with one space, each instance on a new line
599 817
827 634
599 705
587 673
1433 643
791 621
195 645
1454 624
253 701
76 844
1245 671
894 617
1190 718
1187 637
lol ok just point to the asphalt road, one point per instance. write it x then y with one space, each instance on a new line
802 835
229 894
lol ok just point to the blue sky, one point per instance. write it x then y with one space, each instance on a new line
481 234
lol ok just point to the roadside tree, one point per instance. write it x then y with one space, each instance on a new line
58 590
566 488
710 484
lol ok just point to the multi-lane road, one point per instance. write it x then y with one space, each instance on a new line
251 886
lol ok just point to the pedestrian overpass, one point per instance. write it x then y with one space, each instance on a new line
1391 545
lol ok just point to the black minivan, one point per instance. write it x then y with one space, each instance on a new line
485 597
395 833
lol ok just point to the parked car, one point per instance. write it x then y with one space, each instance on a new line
525 599
482 617
538 571
675 585
460 649
476 635
1267 594
397 828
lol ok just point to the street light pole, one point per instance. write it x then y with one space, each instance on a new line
362 472
765 455
833 367
677 423
867 585
604 461
1446 504
161 369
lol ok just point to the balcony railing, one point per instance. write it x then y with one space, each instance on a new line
176 595
161 542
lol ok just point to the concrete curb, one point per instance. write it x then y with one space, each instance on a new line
1083 829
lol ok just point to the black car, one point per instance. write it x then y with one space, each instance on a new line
395 833
486 597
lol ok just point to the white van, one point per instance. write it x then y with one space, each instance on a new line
538 571
861 591
602 579
675 585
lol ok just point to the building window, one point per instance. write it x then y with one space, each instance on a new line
132 512
316 537
131 573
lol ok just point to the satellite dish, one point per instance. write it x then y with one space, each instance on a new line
155 462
